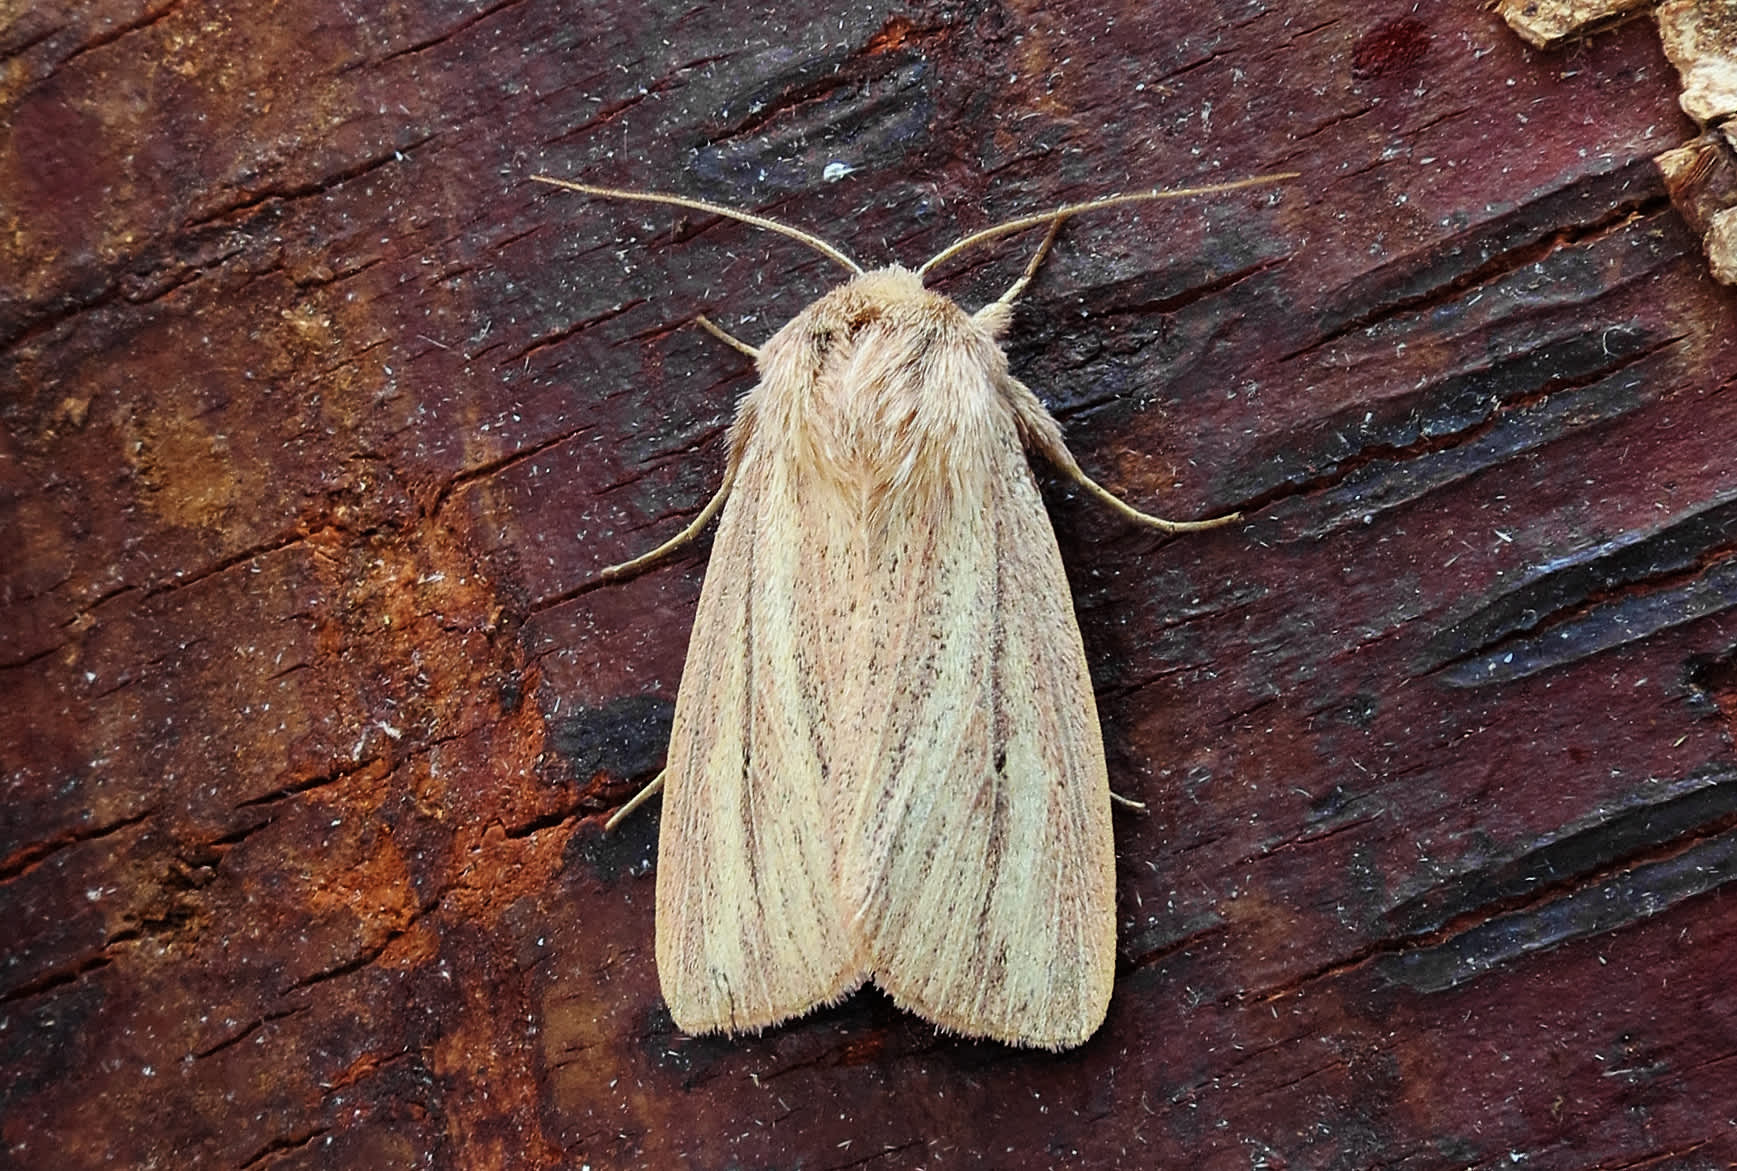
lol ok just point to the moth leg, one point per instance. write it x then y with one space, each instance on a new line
1078 476
1124 802
729 339
1018 287
640 798
629 568
1043 434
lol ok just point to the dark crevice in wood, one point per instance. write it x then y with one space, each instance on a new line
1628 876
28 40
699 549
254 552
1623 838
692 449
322 185
469 21
1675 1156
151 280
122 29
365 1066
502 463
338 277
33 658
354 964
1157 944
546 821
885 1152
1337 120
351 361
247 1031
1604 625
814 79
539 344
1316 835
1235 49
28 857
308 785
1492 250
146 669
279 1146
1466 413
1186 298
240 834
35 320
1306 1075
1593 599
611 111
369 955
49 981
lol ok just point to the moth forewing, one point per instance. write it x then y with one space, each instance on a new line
749 929
977 862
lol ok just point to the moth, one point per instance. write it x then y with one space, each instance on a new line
885 763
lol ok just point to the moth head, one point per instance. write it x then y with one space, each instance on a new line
890 299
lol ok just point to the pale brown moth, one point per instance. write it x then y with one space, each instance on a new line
885 763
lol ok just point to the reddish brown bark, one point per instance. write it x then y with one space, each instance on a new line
319 421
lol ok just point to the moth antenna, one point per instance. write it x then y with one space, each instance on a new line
746 217
728 338
1072 209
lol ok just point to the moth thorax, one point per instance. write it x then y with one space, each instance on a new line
885 392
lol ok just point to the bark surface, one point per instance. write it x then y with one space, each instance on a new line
319 421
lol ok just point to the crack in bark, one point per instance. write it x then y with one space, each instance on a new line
1612 594
463 26
566 816
612 110
548 340
1310 837
1431 441
884 1152
149 668
67 973
278 1146
1505 259
45 316
263 549
108 37
29 41
1617 894
500 464
26 858
1159 952
1338 119
323 780
251 201
247 1031
1182 299
360 960
1674 1155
